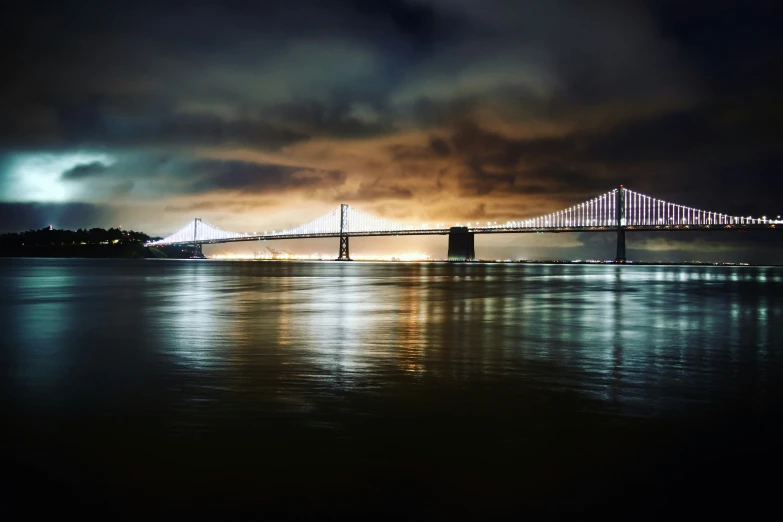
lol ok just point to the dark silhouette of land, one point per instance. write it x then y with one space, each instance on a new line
95 242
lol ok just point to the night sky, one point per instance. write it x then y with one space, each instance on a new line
265 114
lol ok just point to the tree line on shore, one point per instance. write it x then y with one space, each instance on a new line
57 237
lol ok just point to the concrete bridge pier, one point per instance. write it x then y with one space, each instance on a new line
461 244
620 258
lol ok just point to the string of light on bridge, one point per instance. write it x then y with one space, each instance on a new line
601 212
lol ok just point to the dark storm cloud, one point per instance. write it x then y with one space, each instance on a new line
718 130
730 45
220 206
488 162
209 130
496 163
376 190
155 130
121 189
175 73
336 119
172 175
84 171
437 147
428 112
162 175
164 73
702 149
209 175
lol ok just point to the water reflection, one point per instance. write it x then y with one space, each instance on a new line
645 339
320 371
39 325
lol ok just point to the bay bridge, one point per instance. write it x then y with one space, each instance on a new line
619 211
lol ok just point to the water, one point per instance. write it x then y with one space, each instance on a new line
404 391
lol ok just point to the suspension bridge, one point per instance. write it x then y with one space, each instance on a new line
620 210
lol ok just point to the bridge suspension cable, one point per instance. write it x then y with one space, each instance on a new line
596 212
197 231
643 210
329 223
624 207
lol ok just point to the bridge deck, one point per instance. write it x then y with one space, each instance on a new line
495 230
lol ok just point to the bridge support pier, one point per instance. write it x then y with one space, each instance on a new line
620 258
345 254
461 244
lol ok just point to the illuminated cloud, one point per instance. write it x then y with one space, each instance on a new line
43 177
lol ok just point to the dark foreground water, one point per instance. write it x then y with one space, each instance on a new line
216 390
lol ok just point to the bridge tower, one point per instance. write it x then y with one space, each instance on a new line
345 254
197 251
461 244
619 205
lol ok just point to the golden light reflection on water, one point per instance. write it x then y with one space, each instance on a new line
413 334
357 330
292 332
